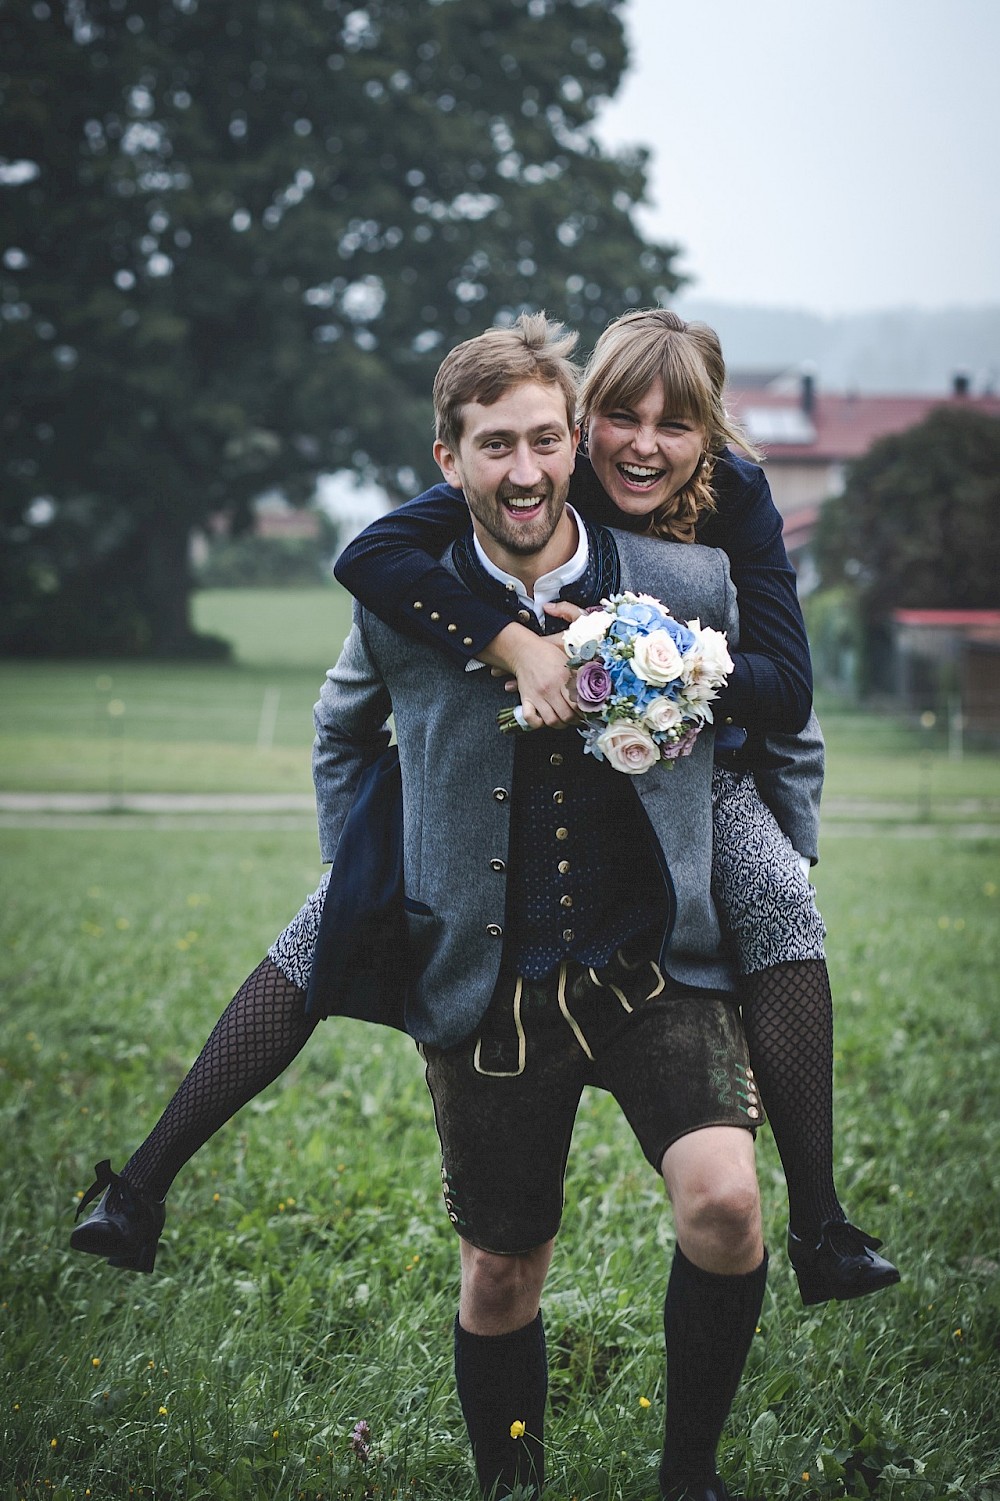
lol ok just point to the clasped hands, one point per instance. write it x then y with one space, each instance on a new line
535 667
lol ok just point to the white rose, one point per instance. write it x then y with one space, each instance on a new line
656 659
662 714
628 748
586 627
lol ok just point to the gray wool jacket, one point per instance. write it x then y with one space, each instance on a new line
457 775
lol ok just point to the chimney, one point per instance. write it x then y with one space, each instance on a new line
808 391
960 384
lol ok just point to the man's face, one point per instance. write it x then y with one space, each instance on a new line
514 461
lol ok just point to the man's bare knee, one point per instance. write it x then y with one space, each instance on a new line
501 1293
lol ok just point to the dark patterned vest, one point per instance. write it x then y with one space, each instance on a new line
584 873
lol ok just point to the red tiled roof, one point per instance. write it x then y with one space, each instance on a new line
847 426
948 619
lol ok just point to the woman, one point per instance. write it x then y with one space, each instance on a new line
657 430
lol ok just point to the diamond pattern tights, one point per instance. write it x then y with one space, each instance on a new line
255 1039
788 1020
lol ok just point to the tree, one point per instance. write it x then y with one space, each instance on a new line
237 240
916 526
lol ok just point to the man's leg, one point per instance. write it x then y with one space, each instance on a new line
500 1366
713 1300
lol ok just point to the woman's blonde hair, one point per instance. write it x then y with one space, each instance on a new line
628 357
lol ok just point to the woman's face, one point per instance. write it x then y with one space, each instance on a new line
644 454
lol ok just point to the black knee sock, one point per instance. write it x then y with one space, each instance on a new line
708 1321
503 1379
256 1037
788 1020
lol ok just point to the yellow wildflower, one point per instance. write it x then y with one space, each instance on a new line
517 1429
644 1402
163 1412
53 1443
95 1361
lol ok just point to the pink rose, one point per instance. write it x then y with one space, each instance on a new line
655 658
628 748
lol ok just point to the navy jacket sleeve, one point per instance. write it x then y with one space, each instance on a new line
770 688
392 569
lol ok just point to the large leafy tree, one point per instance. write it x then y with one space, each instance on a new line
916 526
237 239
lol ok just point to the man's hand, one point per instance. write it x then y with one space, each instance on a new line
541 677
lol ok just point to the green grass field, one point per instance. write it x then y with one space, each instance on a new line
307 1276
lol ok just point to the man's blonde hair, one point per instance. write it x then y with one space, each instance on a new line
485 368
655 342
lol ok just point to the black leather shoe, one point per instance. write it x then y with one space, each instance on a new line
841 1264
124 1226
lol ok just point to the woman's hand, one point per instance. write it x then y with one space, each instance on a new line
541 677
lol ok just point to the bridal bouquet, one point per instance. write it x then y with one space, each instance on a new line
643 681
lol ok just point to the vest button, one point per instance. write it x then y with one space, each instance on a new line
567 935
556 759
563 867
435 615
494 930
562 833
497 865
418 604
524 616
453 628
566 901
558 797
500 794
466 640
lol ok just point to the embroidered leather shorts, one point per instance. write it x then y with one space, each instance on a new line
506 1099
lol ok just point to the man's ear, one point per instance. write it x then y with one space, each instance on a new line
446 460
574 439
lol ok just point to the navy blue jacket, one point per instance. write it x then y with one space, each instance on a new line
394 561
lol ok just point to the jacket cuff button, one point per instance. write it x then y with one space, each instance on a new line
494 930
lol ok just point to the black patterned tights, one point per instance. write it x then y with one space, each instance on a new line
788 1019
255 1039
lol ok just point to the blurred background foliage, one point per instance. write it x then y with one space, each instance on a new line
238 239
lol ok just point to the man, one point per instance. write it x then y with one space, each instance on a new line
560 929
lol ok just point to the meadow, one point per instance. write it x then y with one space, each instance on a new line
307 1275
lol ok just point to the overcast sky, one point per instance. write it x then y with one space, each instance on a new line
831 155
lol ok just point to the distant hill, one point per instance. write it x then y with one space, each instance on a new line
900 350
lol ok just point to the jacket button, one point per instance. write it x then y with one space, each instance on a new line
418 604
562 833
728 720
453 628
500 794
466 640
555 759
497 865
435 615
494 930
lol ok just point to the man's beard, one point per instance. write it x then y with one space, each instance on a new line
522 538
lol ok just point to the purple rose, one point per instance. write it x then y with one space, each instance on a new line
593 685
682 747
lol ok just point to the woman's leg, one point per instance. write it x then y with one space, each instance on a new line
255 1039
769 909
262 1029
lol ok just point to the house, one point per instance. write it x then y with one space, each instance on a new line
809 436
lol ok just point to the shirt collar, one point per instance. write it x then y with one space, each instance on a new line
548 587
